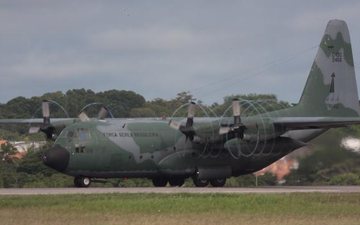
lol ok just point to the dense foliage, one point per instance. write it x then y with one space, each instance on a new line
327 163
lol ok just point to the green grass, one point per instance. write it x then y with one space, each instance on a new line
309 208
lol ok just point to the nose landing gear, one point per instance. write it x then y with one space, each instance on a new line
82 181
173 181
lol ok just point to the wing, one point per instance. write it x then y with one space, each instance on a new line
301 123
44 124
51 129
209 129
56 122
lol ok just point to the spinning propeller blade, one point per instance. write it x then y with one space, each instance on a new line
237 127
103 113
191 114
46 126
188 129
46 112
83 117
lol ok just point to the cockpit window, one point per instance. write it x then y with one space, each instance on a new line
79 134
84 134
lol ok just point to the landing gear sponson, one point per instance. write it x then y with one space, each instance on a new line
84 182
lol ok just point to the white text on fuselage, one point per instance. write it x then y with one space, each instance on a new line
130 134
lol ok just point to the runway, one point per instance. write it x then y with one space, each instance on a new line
174 190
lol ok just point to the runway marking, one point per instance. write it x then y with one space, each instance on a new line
176 190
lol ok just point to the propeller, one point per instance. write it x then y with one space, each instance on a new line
256 136
188 129
237 128
45 106
103 113
46 126
190 115
83 117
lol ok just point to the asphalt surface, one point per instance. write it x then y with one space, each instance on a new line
171 190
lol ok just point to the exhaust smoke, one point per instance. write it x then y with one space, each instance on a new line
351 144
283 167
280 168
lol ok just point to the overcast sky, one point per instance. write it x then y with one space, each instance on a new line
160 48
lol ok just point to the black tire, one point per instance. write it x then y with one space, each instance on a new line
82 181
76 182
159 182
219 182
200 183
176 182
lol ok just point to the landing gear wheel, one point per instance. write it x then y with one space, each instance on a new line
159 182
176 182
220 182
82 181
200 182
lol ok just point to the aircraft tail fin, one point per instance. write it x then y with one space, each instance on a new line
331 88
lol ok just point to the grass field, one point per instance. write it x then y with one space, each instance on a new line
199 209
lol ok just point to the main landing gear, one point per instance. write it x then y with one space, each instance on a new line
179 181
159 182
82 181
200 182
219 182
174 181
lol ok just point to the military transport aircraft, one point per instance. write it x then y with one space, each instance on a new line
206 149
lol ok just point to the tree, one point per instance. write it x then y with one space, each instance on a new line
142 112
6 153
345 179
8 164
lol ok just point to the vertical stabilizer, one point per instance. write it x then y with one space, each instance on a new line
331 88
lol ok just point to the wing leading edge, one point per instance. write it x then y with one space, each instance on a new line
301 123
37 121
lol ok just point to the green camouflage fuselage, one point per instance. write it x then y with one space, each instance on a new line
150 148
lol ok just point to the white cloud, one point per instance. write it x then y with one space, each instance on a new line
145 39
312 19
47 66
161 48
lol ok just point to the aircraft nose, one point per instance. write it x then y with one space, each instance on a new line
57 158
